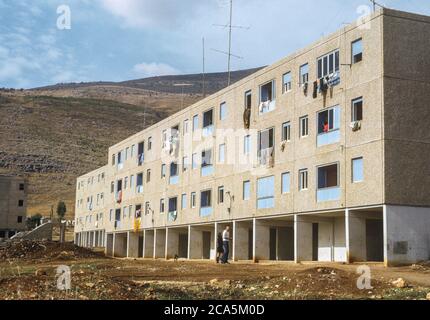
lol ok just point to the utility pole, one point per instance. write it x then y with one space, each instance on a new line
229 43
204 71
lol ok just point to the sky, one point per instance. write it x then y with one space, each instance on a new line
117 40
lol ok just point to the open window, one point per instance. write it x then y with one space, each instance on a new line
208 123
267 97
266 148
328 64
328 126
207 164
304 74
139 183
174 173
247 111
206 203
120 162
140 153
356 114
286 82
173 209
118 195
328 183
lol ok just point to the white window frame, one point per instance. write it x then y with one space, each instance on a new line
304 77
331 57
287 86
304 122
353 109
303 179
286 137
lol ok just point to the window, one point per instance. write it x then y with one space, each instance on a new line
304 74
149 143
207 167
267 97
247 145
304 126
131 182
285 182
357 51
185 164
328 64
19 220
195 122
221 153
125 212
113 160
193 200
20 203
223 111
328 120
286 81
21 186
148 175
174 172
266 193
132 151
184 201
186 124
173 205
286 131
194 161
328 126
140 153
303 179
357 170
221 195
127 153
139 183
110 214
147 208
248 99
120 164
328 183
357 110
246 190
125 183
205 203
265 146
163 171
161 205
112 187
208 123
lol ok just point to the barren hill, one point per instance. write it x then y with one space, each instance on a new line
54 134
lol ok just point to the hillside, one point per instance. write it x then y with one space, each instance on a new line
54 134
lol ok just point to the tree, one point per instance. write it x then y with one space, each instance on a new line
61 210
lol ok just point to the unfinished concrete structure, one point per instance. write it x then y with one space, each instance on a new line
13 205
322 156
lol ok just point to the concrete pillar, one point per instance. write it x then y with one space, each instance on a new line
132 245
172 243
94 244
195 243
240 241
160 243
302 239
261 241
355 234
148 244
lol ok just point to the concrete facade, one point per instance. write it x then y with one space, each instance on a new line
336 186
13 205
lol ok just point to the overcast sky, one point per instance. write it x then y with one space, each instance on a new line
114 40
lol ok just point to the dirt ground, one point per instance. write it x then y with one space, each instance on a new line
28 270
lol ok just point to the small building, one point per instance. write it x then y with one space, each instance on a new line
13 205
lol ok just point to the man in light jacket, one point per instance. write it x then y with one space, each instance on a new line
226 244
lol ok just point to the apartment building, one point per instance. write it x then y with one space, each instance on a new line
322 156
13 204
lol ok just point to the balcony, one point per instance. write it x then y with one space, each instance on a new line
267 106
172 216
328 194
205 211
207 170
327 138
208 131
174 180
266 157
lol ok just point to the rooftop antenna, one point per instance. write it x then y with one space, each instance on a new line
376 4
230 27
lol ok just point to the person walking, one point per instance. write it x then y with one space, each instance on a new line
219 248
226 244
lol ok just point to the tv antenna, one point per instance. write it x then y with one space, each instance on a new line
376 4
230 27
